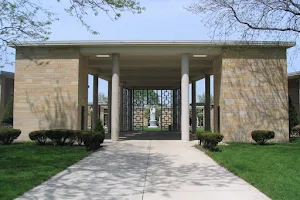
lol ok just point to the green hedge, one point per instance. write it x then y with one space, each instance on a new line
38 136
210 140
262 136
8 135
92 140
61 136
199 136
78 137
295 131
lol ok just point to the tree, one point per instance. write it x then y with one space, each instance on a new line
252 18
201 98
30 20
99 126
293 118
7 118
146 97
102 98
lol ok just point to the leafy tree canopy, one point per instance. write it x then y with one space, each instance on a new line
30 20
102 98
201 98
146 97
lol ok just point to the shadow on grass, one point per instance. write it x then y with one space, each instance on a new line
201 148
26 165
266 144
120 171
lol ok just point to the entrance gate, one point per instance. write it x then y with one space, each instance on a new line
137 105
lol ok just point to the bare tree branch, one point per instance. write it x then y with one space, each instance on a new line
30 20
251 18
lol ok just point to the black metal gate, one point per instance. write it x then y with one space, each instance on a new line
137 104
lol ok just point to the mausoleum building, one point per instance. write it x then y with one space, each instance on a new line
250 85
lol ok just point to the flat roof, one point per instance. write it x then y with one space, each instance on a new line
154 43
7 74
294 75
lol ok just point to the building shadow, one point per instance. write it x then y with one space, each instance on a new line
150 135
121 172
56 110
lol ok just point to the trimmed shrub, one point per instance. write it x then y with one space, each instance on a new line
199 136
92 140
60 136
7 135
99 127
7 118
262 136
210 140
295 131
78 137
38 136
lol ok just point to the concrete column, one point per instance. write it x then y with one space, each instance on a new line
207 103
217 92
115 94
174 110
185 97
95 100
130 110
194 110
121 107
109 108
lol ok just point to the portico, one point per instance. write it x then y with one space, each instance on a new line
151 70
244 98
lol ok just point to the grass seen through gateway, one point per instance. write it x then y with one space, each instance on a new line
272 168
146 128
24 166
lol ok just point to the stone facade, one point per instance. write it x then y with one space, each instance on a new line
252 93
250 83
49 91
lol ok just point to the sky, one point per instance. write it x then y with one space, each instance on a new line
162 20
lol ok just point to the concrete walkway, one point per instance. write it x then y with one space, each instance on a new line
148 170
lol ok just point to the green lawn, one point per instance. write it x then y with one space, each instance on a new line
274 169
23 166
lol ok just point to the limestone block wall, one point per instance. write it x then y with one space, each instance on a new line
83 93
48 90
251 90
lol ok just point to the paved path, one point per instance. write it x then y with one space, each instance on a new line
148 170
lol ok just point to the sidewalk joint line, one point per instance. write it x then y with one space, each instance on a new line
146 170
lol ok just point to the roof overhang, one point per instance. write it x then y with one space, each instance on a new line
203 43
7 74
294 75
151 64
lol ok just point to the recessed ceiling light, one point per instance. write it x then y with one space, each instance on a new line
200 56
102 56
